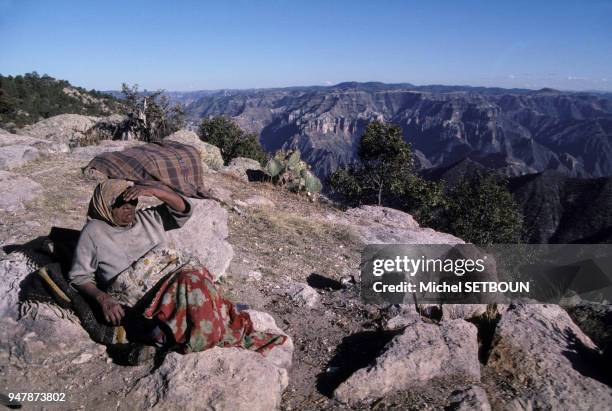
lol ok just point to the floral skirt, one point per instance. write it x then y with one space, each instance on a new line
193 314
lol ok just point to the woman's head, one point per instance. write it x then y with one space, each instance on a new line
107 203
124 212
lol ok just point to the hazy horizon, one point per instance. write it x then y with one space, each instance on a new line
195 46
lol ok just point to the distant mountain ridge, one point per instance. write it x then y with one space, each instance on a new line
516 131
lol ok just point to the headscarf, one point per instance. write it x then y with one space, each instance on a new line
104 197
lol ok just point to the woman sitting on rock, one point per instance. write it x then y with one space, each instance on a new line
147 290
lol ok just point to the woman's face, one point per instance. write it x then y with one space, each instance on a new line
125 213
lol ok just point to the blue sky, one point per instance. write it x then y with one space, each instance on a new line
193 45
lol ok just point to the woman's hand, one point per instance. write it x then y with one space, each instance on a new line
169 197
133 192
113 311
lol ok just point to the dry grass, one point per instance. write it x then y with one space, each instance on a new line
317 229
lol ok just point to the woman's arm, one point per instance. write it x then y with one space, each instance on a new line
172 199
113 312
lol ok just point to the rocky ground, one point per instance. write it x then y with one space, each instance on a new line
298 261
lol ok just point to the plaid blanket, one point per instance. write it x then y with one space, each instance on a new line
168 162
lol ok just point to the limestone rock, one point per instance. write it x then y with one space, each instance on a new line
282 355
211 155
64 128
13 269
400 316
16 156
17 191
213 190
238 167
302 294
230 379
204 236
33 340
463 311
423 351
16 150
472 398
542 349
87 153
383 225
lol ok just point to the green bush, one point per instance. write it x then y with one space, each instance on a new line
481 210
385 176
231 139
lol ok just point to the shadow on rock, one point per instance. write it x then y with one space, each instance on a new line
256 175
356 351
31 249
320 282
587 361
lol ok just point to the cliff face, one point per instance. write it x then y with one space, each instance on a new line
561 209
556 208
515 131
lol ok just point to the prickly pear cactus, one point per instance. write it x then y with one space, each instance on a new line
311 183
288 170
274 167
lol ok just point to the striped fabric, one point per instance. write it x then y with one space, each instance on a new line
174 164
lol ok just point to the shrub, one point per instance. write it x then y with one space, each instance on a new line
481 210
231 139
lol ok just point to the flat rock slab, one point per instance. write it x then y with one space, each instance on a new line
383 225
17 150
16 156
46 146
17 191
231 379
301 294
550 357
422 352
239 167
204 236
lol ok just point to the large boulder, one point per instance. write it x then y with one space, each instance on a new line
383 225
423 351
64 128
280 355
16 150
550 359
41 332
87 153
240 167
211 155
17 191
14 268
230 379
204 236
16 156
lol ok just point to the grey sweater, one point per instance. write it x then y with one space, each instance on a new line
104 251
